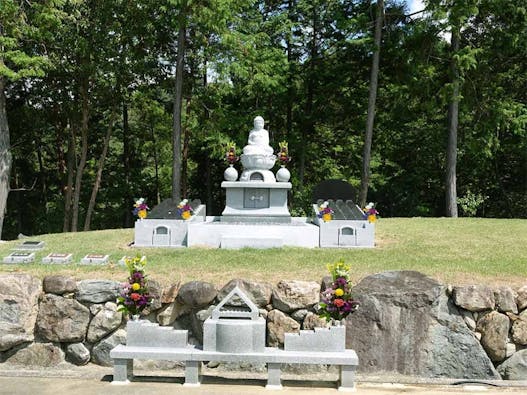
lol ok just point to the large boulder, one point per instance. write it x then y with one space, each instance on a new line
494 329
259 292
107 320
515 368
59 285
407 324
293 295
474 297
18 309
197 294
38 354
97 291
62 320
278 324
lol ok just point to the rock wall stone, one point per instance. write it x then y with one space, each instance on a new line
97 291
259 292
407 323
62 320
18 309
293 295
106 321
197 294
494 329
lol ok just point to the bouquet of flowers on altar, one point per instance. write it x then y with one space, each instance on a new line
140 208
184 209
325 212
134 297
283 154
337 302
231 156
370 213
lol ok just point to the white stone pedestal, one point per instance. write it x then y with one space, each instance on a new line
256 202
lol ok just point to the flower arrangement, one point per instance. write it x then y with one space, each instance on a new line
134 297
283 154
140 208
325 212
337 302
184 209
370 213
231 156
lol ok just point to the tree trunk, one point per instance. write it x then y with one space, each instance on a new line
178 101
308 124
100 167
156 162
128 219
84 154
453 116
372 98
184 155
68 192
5 153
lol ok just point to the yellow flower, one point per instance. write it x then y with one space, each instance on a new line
186 215
339 292
372 218
141 214
136 286
326 217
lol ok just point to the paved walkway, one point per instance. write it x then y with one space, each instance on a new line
215 385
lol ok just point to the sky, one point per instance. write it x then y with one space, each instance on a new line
415 5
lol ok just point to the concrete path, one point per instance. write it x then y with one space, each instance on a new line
220 386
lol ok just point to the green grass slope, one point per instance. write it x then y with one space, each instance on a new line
456 251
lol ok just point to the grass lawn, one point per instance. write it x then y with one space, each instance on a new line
455 251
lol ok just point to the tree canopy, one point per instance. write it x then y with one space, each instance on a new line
90 88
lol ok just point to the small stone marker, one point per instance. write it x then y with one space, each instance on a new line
57 258
20 257
98 259
30 245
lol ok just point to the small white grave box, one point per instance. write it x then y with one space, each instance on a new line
96 259
234 329
55 257
30 245
20 257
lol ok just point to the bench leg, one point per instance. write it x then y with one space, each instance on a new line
274 370
347 378
192 371
123 371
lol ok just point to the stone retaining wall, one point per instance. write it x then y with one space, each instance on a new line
407 323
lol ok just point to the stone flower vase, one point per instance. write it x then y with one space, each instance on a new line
283 175
230 174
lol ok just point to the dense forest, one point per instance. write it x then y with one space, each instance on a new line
102 102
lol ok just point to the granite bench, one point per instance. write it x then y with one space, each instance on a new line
123 356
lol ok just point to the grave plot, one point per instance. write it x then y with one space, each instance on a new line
20 257
57 258
30 245
95 259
